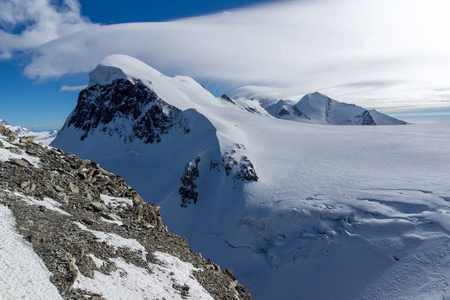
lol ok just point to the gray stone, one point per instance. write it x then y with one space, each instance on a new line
15 150
63 197
58 188
27 139
73 188
31 152
25 184
88 221
20 162
110 216
98 206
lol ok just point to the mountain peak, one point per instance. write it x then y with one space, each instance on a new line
316 94
119 66
316 97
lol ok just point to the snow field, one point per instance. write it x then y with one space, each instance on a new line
338 212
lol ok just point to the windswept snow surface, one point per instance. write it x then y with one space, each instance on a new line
338 212
23 274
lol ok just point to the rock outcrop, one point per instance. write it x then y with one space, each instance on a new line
130 110
86 223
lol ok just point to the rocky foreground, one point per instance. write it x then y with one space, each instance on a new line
96 236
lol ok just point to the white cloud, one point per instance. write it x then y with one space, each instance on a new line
25 24
379 53
66 88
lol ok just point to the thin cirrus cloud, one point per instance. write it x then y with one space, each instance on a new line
66 88
379 53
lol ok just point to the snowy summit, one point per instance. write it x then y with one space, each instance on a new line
121 67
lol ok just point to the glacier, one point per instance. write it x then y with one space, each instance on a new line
296 209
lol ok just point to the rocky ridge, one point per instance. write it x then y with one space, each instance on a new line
130 110
75 214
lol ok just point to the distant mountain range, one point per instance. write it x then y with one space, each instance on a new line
320 109
45 137
294 208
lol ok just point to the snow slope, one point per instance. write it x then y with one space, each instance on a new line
383 119
342 212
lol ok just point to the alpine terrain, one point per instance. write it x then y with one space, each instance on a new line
320 109
72 230
45 137
297 209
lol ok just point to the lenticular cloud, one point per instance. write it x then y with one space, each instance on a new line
342 48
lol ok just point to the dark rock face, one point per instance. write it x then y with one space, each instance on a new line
188 191
109 108
246 170
298 113
237 165
77 188
227 98
283 112
366 119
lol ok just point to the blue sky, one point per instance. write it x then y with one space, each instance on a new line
391 55
107 12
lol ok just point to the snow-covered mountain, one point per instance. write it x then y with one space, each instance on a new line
72 230
341 212
45 137
321 109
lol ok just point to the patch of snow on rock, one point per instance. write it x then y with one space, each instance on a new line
132 282
48 203
115 201
98 262
115 240
118 223
6 154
